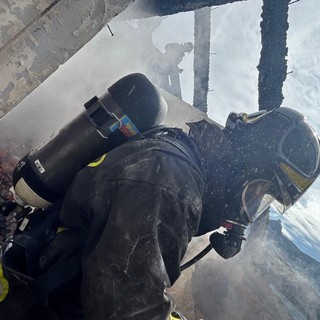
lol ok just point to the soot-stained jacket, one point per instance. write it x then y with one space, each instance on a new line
129 216
138 209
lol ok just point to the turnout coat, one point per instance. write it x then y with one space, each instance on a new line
138 209
126 222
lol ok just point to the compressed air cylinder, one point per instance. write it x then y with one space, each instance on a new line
131 106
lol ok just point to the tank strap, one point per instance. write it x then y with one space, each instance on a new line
181 141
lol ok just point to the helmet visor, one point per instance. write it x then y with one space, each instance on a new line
300 150
298 164
257 196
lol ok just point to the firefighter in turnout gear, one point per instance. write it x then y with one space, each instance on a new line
132 215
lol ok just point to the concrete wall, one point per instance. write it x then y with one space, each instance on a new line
37 36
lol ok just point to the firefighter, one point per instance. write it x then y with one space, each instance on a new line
128 218
140 207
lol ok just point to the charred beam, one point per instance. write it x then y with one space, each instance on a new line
202 21
273 64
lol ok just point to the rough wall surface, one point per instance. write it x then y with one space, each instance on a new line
16 15
36 37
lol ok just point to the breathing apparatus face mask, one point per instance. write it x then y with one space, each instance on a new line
256 197
246 200
259 194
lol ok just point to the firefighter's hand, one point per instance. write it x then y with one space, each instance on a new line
227 245
64 245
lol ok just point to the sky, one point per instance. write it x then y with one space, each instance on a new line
235 48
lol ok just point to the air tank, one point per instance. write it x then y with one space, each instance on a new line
130 106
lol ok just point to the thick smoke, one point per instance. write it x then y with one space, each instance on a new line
125 48
119 49
269 279
250 286
90 72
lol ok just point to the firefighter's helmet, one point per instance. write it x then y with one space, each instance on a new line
277 155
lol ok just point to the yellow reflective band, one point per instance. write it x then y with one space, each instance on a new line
4 285
99 161
62 229
301 182
172 317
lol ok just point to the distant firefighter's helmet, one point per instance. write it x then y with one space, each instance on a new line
188 46
276 154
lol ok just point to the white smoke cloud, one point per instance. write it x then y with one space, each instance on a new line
94 68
